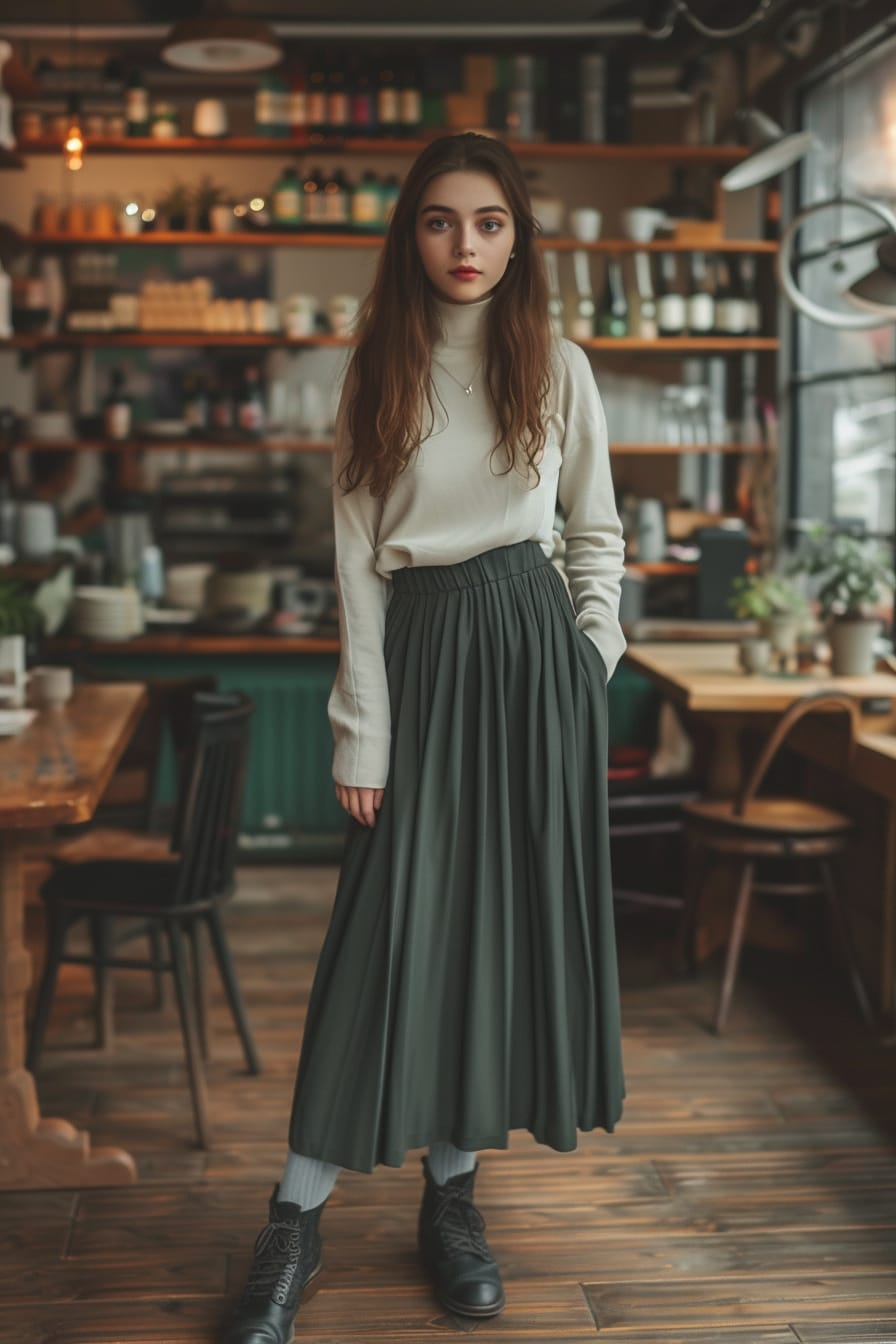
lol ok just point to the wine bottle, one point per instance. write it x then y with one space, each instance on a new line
671 309
136 105
647 329
731 308
362 100
701 301
388 112
612 318
317 101
298 105
582 328
410 103
313 207
338 109
250 416
555 301
747 271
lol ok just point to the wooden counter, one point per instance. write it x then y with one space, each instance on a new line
185 641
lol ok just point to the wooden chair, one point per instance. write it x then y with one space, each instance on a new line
128 821
751 829
178 896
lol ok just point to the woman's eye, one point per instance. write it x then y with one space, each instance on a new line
491 225
438 224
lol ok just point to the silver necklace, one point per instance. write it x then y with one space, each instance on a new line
466 388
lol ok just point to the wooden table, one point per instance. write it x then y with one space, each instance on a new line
53 772
705 679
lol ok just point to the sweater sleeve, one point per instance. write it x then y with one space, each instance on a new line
359 701
592 534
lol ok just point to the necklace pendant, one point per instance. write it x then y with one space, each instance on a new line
469 390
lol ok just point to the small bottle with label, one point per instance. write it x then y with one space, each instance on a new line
337 201
367 204
286 200
388 112
390 190
701 301
117 408
313 204
196 405
136 105
671 307
410 103
250 415
298 106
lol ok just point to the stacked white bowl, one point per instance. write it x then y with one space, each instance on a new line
108 614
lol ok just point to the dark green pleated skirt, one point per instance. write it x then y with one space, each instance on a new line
467 985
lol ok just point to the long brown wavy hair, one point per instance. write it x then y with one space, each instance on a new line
398 325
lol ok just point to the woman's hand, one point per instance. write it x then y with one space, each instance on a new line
362 804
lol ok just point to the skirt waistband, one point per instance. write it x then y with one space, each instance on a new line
502 563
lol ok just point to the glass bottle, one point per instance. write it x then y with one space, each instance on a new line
388 112
250 415
701 301
612 318
646 325
367 203
117 411
731 308
363 116
313 207
317 101
136 105
671 309
298 105
390 189
338 106
410 103
286 199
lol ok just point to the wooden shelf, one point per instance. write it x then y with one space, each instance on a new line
663 567
181 444
677 449
672 153
620 345
141 444
298 238
247 339
682 344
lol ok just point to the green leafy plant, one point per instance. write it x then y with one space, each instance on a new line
175 204
205 195
854 572
18 614
764 596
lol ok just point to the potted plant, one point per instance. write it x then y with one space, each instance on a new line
213 211
20 620
854 577
777 603
175 206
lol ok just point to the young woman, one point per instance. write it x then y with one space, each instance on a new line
467 985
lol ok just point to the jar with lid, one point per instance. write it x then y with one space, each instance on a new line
164 124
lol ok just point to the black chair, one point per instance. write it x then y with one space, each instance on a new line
179 896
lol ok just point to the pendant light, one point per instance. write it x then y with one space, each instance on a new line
877 289
877 282
218 42
775 152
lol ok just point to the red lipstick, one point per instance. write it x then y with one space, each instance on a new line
465 272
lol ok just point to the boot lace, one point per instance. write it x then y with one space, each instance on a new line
276 1264
461 1225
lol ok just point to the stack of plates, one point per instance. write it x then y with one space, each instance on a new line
109 614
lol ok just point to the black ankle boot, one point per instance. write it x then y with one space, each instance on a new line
452 1244
286 1259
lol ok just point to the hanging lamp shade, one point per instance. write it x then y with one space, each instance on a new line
877 289
219 42
775 151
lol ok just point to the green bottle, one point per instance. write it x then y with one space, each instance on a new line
286 198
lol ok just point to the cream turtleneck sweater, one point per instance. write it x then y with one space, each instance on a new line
448 505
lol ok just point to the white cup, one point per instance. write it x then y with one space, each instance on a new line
36 529
641 223
585 224
300 316
50 686
342 311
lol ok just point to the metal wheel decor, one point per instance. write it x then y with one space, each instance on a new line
829 317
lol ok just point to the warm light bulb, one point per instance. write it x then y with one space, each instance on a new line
73 148
256 203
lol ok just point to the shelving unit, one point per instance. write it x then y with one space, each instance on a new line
624 344
298 238
672 153
288 445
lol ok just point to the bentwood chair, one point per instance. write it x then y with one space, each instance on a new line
178 896
754 829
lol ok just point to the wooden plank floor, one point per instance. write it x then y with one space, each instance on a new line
747 1197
